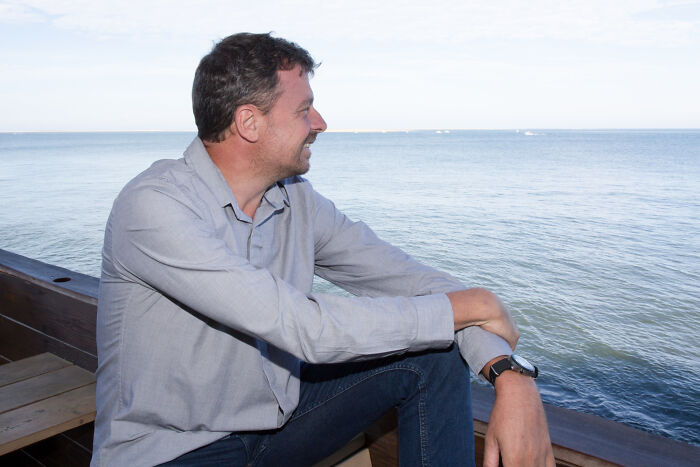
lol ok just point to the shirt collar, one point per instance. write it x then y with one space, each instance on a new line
277 195
197 157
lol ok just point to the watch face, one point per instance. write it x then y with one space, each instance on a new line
523 363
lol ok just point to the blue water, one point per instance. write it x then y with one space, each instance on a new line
590 237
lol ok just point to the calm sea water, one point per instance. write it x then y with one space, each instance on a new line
590 237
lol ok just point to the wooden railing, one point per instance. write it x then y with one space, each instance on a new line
46 308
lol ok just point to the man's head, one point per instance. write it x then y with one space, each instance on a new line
241 69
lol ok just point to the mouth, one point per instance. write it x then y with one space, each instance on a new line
310 140
308 143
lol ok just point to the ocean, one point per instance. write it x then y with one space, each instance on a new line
589 237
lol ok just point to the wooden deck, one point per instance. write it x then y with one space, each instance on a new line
45 308
40 397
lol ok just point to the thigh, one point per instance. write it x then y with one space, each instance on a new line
339 401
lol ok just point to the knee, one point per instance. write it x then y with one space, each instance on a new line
442 365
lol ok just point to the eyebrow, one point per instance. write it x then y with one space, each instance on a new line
306 103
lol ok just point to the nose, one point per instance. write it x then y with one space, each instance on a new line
318 124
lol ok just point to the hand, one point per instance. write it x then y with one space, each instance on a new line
517 426
479 307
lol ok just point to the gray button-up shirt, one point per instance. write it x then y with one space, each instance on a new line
205 314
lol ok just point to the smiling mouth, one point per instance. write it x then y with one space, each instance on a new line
310 140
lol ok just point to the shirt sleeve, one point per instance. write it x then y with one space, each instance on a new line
350 255
163 240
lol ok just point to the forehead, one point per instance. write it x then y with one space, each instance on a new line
294 85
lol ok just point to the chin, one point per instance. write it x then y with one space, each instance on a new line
296 171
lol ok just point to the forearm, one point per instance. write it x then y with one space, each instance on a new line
479 307
351 256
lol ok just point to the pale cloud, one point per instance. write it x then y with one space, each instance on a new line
625 22
410 64
24 72
11 12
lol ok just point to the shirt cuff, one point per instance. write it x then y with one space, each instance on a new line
435 322
478 347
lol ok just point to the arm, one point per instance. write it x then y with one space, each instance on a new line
161 239
479 307
351 256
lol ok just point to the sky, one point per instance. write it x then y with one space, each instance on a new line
122 65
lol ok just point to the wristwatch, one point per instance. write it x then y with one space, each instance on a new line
512 362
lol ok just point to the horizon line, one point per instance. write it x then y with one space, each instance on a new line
373 130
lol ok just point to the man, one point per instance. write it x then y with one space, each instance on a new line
213 349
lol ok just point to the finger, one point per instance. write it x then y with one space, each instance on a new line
491 452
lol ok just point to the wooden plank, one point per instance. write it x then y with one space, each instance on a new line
30 367
42 387
64 310
34 422
54 276
383 440
18 341
359 459
60 314
479 432
354 445
67 331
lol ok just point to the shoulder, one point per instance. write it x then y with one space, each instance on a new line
165 183
161 172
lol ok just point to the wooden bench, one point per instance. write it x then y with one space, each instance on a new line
44 395
40 397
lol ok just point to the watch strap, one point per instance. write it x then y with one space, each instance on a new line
499 367
511 363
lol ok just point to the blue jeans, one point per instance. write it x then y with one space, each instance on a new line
430 390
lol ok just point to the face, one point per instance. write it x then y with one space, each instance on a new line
290 127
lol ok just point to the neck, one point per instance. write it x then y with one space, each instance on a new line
236 161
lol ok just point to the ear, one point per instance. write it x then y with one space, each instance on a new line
247 121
